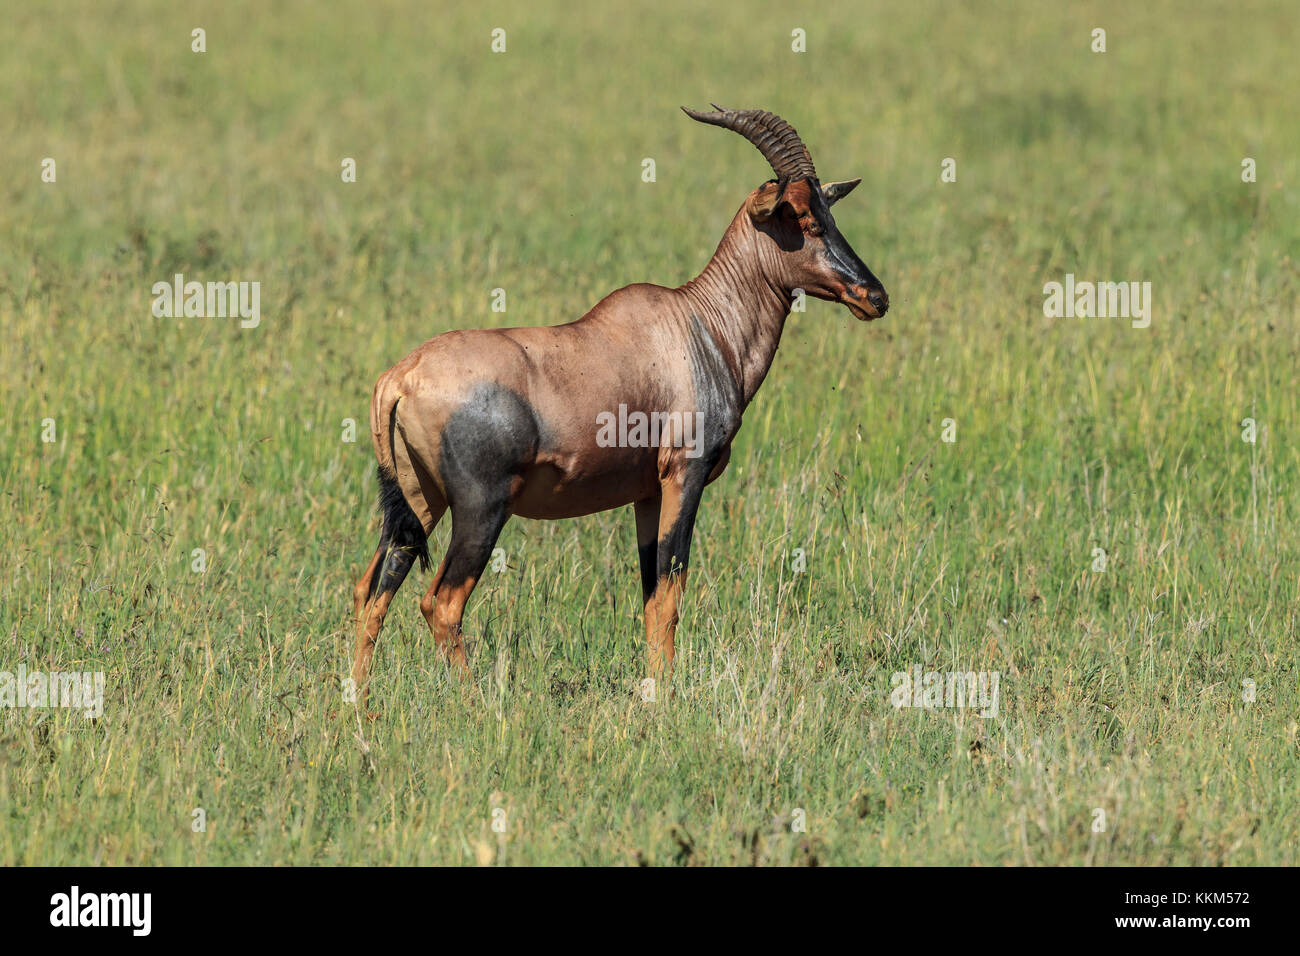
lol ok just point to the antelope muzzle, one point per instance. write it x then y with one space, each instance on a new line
866 302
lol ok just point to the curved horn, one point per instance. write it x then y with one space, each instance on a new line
775 138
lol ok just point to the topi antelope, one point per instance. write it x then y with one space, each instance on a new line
498 422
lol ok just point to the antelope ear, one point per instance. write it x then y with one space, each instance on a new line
764 200
834 192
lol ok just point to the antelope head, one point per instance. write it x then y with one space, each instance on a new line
792 214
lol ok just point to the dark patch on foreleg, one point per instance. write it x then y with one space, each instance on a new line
647 544
719 402
680 502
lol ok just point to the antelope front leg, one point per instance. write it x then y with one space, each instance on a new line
647 545
678 503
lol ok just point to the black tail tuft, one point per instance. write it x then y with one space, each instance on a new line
401 528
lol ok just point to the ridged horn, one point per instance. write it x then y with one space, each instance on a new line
775 138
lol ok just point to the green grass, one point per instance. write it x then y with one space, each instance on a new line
1121 691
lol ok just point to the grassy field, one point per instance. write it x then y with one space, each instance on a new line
1122 691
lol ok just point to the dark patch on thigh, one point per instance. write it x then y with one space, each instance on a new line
493 436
